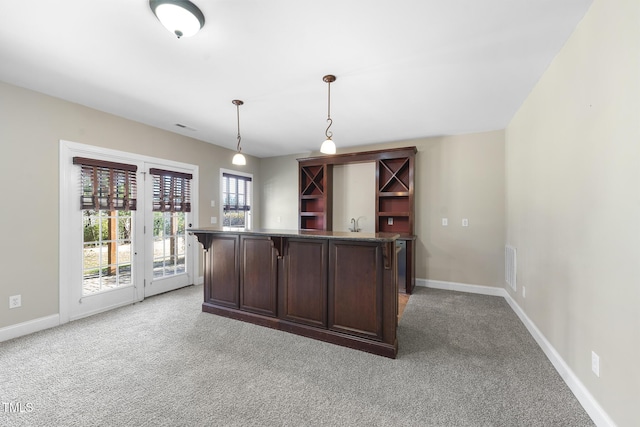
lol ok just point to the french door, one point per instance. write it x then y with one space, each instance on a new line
168 260
109 261
116 254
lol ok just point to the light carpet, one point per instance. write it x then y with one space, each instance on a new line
464 360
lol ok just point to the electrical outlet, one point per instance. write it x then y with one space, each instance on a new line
465 222
15 301
390 221
214 220
595 363
445 222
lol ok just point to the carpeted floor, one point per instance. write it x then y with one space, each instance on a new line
464 360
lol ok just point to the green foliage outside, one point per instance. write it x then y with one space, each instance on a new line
234 219
162 223
96 225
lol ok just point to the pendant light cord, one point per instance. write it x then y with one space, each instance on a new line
327 132
239 138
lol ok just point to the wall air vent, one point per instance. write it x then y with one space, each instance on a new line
510 266
180 125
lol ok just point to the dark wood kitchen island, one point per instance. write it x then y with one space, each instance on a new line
332 286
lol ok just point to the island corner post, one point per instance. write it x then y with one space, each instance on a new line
335 287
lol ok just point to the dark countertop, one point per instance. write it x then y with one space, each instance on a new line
338 235
405 236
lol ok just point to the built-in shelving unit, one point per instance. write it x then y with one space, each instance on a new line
394 198
394 194
315 200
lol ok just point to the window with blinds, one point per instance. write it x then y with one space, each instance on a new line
171 191
107 185
236 197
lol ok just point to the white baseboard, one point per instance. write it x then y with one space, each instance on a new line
462 287
35 325
26 328
586 399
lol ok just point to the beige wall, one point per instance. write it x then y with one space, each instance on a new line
31 125
354 196
573 171
456 177
279 189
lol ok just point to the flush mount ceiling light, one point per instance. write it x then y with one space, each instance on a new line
181 17
238 158
328 146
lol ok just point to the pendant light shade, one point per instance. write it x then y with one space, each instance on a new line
238 158
180 17
328 146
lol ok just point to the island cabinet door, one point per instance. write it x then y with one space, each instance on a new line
221 271
258 275
355 288
303 282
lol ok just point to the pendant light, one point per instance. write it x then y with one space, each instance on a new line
238 158
328 146
180 17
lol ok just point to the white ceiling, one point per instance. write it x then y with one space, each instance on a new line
405 68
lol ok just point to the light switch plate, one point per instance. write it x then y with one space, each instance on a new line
445 222
595 363
465 222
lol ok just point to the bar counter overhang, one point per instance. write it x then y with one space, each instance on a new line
337 287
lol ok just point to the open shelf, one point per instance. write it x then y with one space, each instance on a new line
394 193
311 222
400 224
311 205
394 214
312 181
394 175
393 204
314 203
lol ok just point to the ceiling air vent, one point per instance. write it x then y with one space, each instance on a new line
180 125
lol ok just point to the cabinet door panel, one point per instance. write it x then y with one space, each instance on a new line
305 285
355 288
258 277
223 281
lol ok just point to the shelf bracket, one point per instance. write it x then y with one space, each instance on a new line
388 251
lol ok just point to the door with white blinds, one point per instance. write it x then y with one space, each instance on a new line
166 238
105 267
123 228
